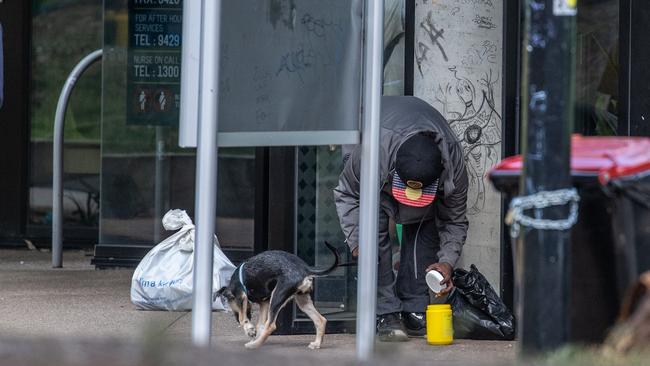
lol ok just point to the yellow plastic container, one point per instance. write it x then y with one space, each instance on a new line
440 329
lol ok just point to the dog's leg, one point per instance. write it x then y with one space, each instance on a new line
307 306
244 319
263 316
279 298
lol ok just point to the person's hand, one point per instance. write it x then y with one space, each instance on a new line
446 270
355 252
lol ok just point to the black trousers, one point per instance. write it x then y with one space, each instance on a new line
409 291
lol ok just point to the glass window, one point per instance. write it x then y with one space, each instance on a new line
394 19
144 173
597 67
63 32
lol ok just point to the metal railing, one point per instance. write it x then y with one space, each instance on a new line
57 160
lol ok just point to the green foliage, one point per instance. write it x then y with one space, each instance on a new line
63 32
591 356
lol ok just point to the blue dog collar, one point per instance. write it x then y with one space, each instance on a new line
241 278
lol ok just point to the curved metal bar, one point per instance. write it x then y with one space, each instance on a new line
57 160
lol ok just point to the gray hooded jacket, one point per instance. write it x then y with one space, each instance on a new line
402 117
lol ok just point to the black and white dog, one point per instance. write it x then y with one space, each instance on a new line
271 279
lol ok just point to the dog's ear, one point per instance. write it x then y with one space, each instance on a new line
225 292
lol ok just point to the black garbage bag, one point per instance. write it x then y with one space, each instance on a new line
478 312
470 322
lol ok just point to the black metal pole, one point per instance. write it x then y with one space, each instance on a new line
409 46
547 91
511 84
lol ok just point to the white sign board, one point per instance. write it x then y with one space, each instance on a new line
290 74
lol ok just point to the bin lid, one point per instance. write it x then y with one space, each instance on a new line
606 157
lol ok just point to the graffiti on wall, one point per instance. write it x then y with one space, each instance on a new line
477 125
458 60
457 56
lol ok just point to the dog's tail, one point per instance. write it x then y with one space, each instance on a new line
337 259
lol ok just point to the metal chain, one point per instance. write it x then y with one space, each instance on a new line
544 199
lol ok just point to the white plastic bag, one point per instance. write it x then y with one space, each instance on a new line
163 279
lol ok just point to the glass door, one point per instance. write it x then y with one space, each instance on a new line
317 170
317 173
597 72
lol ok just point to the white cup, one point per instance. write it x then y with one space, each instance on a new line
433 279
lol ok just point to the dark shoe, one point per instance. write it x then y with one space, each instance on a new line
390 328
415 324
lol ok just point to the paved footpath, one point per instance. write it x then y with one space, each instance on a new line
73 315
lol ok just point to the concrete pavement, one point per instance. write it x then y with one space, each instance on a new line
79 312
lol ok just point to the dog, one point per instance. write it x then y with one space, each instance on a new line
271 279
